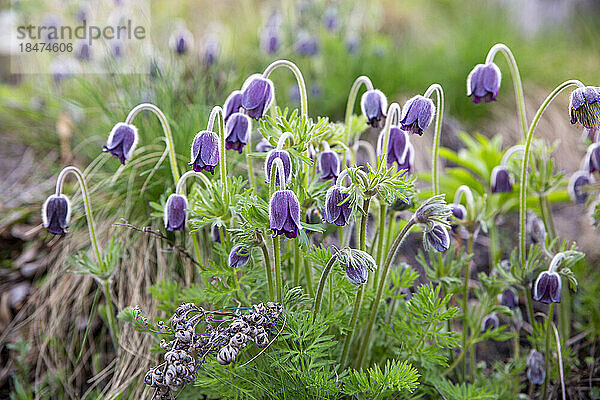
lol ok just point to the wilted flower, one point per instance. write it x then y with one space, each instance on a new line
577 181
238 257
337 209
501 181
483 82
56 213
592 158
257 95
547 287
205 152
122 141
417 114
238 129
490 322
437 239
264 146
307 45
536 372
284 213
284 156
373 104
329 165
357 264
232 105
175 212
509 298
181 41
398 143
459 213
585 106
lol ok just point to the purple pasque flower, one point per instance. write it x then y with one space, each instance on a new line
501 181
238 129
205 152
232 105
284 156
121 141
437 239
270 39
175 212
592 158
84 52
56 213
483 82
238 257
257 95
216 235
337 207
284 214
398 144
584 106
576 183
509 298
357 264
490 322
409 160
459 213
373 105
181 41
417 114
307 45
329 165
264 146
331 19
211 50
547 287
536 369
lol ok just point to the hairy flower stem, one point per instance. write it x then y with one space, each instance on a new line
110 313
353 321
383 277
525 164
267 261
439 116
299 79
516 77
251 177
380 240
296 262
466 303
308 273
547 363
277 257
361 80
547 217
321 286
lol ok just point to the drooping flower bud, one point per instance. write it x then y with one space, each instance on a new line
536 370
257 95
331 19
592 158
238 257
437 239
576 183
121 141
264 146
337 208
547 287
270 39
417 114
501 181
509 298
284 156
232 105
585 106
433 211
211 50
215 235
284 213
175 212
307 45
357 264
483 82
459 213
181 41
329 165
205 152
398 143
490 322
373 104
238 129
56 213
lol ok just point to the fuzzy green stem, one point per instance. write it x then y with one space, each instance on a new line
110 314
381 239
547 361
547 217
352 326
363 224
299 79
267 261
321 286
166 130
309 282
251 177
439 116
278 283
296 262
466 302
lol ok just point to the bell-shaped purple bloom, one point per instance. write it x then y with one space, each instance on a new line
211 50
284 214
437 239
501 181
264 146
307 45
216 235
547 287
331 19
577 181
56 213
585 107
83 52
232 105
181 42
270 39
483 82
175 212
357 264
238 129
238 257
329 165
509 298
490 322
398 143
284 156
536 369
205 152
257 95
337 208
459 213
373 105
356 274
592 158
121 141
417 114
409 160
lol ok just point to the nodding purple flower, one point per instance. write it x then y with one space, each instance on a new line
205 152
307 45
238 129
284 214
577 181
238 257
373 104
585 106
232 105
329 165
121 141
398 143
264 146
483 82
211 50
509 298
181 41
83 52
459 213
409 160
215 235
490 322
270 39
56 213
357 264
352 43
437 239
547 287
331 19
175 212
417 114
337 207
284 156
501 181
257 95
592 158
536 369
